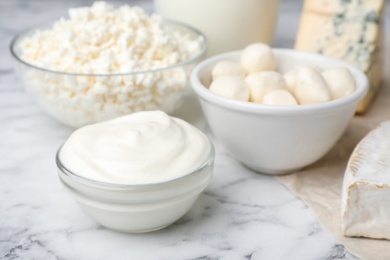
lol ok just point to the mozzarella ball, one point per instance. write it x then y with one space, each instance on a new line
280 97
310 86
340 82
290 78
231 87
257 57
227 68
262 83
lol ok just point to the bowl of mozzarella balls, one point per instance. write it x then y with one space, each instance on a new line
277 110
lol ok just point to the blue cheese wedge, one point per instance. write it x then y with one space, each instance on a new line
365 205
351 30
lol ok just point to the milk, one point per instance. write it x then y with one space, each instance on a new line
228 24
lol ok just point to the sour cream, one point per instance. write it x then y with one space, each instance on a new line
140 148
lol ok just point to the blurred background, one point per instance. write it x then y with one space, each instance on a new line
16 15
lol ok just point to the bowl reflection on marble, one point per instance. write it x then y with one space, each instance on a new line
277 139
137 208
78 99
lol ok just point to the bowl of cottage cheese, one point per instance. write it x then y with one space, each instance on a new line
103 62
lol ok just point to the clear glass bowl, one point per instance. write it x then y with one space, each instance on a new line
68 98
137 208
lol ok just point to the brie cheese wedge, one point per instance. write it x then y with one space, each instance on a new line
366 188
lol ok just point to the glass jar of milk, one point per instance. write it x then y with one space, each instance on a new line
228 24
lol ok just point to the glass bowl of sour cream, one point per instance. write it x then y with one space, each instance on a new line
136 173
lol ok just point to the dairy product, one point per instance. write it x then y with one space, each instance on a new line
262 83
102 40
348 30
257 57
366 187
231 87
228 24
310 87
97 43
302 85
227 68
290 78
137 173
141 148
280 97
340 82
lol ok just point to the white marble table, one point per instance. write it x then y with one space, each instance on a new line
242 214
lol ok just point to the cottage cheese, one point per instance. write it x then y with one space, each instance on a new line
93 44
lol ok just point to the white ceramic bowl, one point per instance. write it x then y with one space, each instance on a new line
137 208
277 139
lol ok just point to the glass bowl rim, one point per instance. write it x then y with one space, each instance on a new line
107 185
198 56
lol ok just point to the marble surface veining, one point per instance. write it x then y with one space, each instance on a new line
241 215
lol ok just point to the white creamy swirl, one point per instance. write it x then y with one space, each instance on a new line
140 148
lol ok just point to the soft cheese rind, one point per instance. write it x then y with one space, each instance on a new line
366 188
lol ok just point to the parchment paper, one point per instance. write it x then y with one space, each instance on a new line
319 185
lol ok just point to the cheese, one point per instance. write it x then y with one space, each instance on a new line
348 30
280 97
366 188
263 83
230 86
102 39
330 7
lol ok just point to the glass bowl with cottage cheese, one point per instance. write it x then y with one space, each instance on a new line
102 62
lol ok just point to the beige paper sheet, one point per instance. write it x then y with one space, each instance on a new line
319 185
